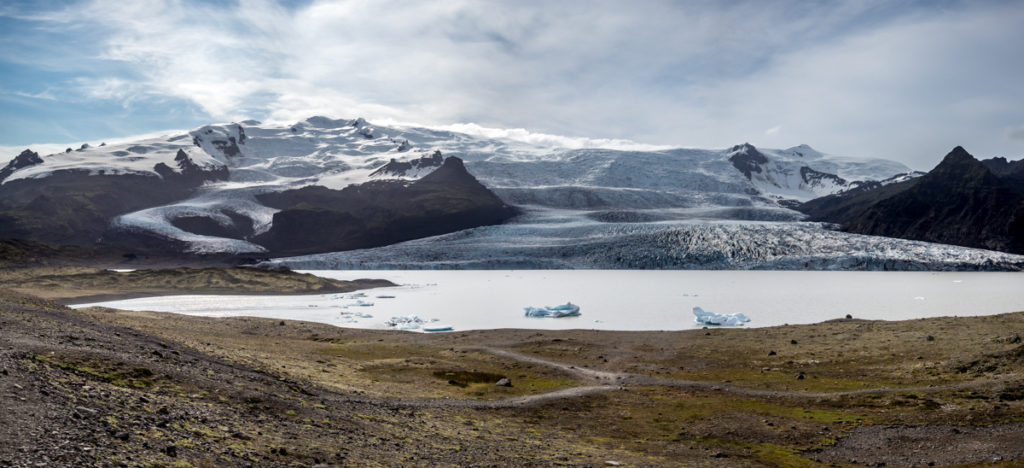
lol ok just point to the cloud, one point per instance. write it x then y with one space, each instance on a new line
1016 133
548 140
873 78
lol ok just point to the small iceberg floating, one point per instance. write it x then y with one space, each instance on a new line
362 303
408 322
437 328
565 310
704 317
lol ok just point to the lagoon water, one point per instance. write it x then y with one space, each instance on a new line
622 299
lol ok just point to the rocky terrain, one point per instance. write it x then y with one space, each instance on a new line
100 387
317 219
962 201
322 185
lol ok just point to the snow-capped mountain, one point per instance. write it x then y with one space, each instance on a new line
257 178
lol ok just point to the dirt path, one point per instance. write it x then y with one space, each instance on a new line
625 379
611 381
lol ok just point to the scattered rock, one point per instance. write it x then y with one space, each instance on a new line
792 341
772 353
929 338
848 316
504 382
171 451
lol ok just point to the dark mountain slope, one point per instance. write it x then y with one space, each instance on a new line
960 202
75 208
317 219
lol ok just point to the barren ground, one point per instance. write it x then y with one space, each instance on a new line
107 388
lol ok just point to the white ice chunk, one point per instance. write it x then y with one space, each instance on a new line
710 318
565 310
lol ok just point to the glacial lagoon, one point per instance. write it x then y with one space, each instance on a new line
620 299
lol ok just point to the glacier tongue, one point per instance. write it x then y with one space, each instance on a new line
569 239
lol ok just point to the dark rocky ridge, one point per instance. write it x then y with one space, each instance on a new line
960 202
76 207
747 159
25 159
813 177
401 168
317 219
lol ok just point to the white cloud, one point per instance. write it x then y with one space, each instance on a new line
858 78
548 140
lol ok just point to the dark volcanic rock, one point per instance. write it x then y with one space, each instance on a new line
318 219
25 159
189 173
75 207
396 168
1011 171
813 177
960 202
747 159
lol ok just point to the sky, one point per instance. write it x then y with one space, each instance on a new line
903 80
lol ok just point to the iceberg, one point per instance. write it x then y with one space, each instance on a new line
565 310
410 322
437 328
704 317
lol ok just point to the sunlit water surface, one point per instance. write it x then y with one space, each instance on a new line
621 299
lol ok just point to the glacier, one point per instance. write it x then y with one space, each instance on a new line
568 239
629 206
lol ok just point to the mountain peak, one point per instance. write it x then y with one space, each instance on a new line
451 172
412 168
745 148
25 159
747 159
804 151
960 163
958 154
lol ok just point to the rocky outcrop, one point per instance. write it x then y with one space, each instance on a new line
813 178
747 159
395 168
25 159
76 207
189 173
317 219
960 202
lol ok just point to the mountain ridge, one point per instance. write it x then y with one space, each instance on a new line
248 164
959 202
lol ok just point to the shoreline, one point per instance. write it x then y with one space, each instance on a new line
164 388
